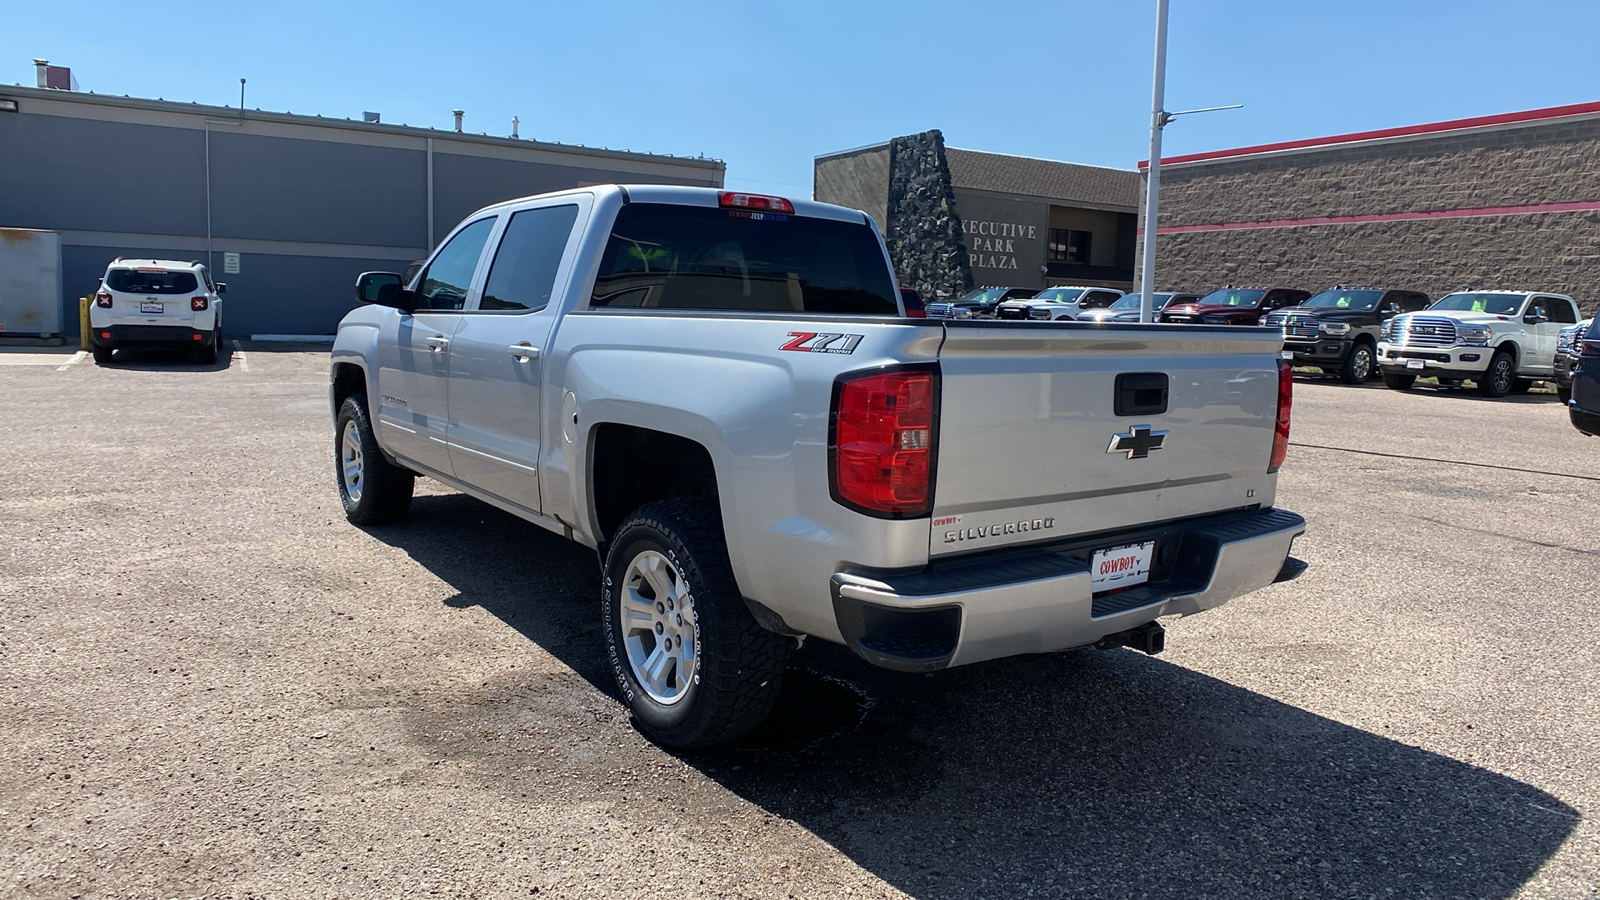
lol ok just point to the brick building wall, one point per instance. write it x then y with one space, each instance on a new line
1500 202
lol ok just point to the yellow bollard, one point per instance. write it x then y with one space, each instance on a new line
83 322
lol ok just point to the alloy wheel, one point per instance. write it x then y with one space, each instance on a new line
352 466
658 627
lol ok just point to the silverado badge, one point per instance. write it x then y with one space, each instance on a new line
1137 442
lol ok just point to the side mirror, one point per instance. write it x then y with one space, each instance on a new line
222 287
382 289
1387 312
1534 318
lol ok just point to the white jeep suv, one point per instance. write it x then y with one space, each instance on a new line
1502 340
156 303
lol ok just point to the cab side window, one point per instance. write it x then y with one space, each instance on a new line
523 273
1539 307
448 277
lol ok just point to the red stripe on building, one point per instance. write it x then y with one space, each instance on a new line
1525 209
1530 115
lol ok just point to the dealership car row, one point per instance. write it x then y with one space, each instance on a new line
1503 341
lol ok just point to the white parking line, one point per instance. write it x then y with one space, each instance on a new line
76 358
244 364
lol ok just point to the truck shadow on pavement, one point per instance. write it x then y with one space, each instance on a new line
1093 773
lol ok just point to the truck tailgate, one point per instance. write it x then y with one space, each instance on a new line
1028 414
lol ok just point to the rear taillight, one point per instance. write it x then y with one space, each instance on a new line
103 299
199 304
754 201
882 442
1280 435
1591 348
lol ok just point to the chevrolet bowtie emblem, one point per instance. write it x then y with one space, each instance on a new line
1137 442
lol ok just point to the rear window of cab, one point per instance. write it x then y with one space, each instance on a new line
151 281
667 256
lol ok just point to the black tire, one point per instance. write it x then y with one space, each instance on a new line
1522 386
208 353
1500 377
1398 381
738 665
1563 393
1358 366
102 355
383 491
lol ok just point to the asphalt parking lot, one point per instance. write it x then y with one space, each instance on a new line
216 687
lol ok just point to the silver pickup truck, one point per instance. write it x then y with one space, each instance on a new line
719 393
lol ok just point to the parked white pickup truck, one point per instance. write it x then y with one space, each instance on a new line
1502 340
719 393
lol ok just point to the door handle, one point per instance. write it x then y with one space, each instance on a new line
438 343
524 351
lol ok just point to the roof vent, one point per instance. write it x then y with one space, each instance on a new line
371 117
459 113
58 78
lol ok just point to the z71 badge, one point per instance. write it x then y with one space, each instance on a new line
814 342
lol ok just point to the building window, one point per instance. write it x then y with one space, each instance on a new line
1069 246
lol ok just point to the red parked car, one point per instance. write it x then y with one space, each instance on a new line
1234 306
913 303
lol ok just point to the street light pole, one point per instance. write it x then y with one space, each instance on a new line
1158 116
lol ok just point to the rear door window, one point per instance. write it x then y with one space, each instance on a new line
523 273
1562 312
665 256
151 281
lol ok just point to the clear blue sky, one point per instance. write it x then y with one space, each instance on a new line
768 85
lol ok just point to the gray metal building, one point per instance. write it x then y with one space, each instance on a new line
302 204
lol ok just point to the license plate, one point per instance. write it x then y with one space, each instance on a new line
1414 363
1120 567
148 307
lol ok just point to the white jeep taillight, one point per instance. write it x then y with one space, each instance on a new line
199 304
882 442
1280 434
103 299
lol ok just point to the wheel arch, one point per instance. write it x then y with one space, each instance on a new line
346 378
631 465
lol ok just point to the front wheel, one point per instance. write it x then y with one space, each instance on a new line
1358 368
1500 377
693 666
1398 381
372 490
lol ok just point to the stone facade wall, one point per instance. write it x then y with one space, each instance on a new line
1548 252
1533 163
924 234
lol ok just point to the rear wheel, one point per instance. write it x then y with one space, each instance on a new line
102 355
1564 393
1398 381
1522 386
208 353
372 490
1358 367
1500 377
693 666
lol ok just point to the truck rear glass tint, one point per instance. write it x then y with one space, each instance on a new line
134 281
664 256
